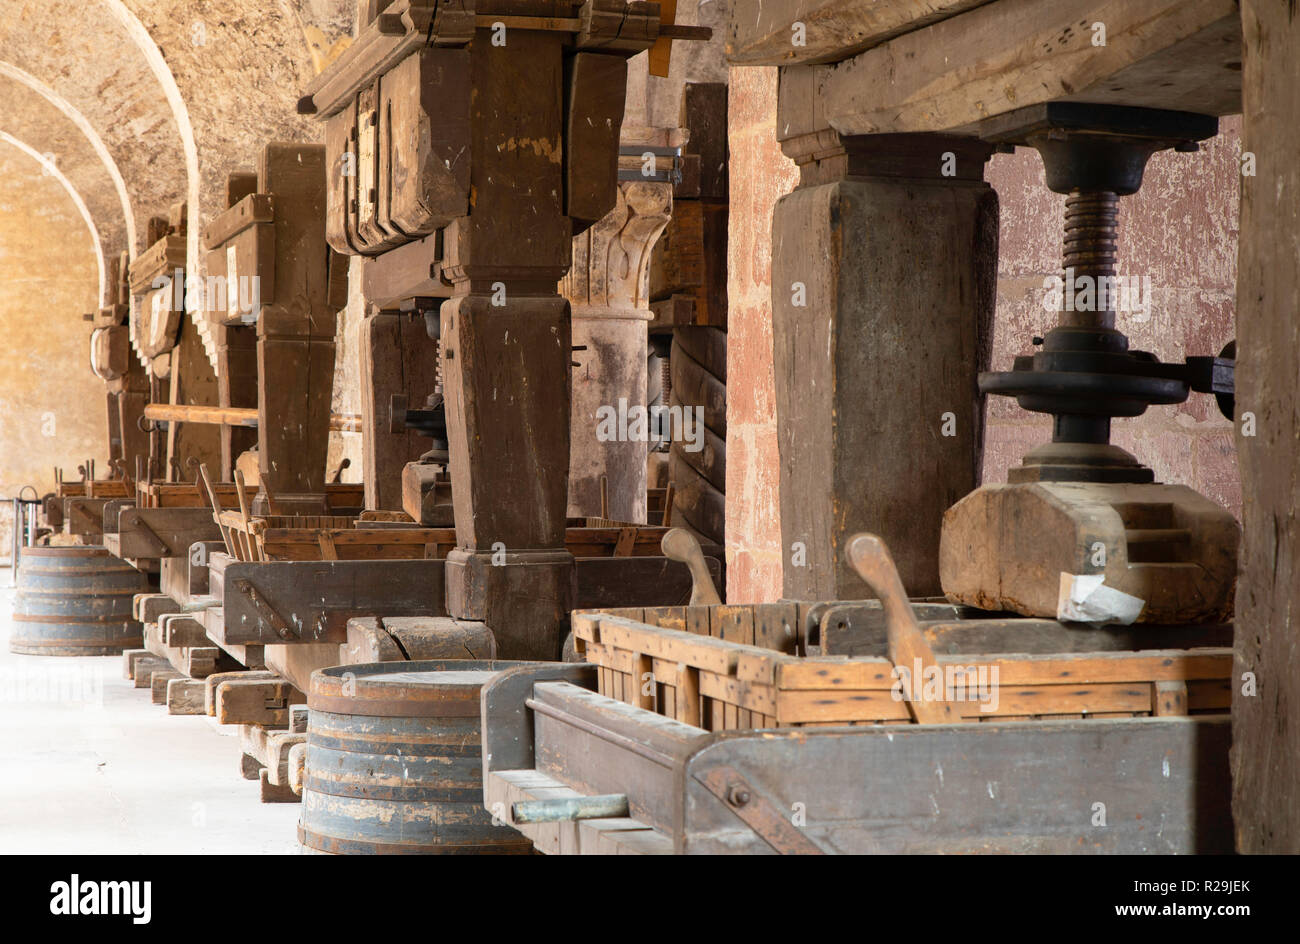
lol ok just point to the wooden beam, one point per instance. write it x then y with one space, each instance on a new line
1266 707
786 32
1013 53
233 416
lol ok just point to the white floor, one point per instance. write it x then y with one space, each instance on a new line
89 765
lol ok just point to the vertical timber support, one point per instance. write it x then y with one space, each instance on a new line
397 357
1266 704
883 289
295 334
237 387
608 289
506 338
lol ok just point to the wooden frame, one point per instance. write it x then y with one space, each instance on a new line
733 668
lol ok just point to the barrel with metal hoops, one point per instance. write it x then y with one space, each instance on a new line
393 762
75 601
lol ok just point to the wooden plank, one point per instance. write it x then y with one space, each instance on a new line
151 533
295 349
426 98
785 32
185 697
1013 53
317 598
259 701
1266 704
397 357
594 94
1066 669
877 789
648 581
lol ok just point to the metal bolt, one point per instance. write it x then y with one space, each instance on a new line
737 795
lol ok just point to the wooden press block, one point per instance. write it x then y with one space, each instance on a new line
185 697
182 629
158 684
147 607
424 170
297 766
256 701
144 667
273 793
129 658
278 746
212 681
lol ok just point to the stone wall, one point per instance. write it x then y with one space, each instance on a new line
52 408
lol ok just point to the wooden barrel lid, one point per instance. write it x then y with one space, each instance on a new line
447 688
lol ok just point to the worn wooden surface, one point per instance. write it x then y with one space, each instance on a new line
295 349
1000 788
1266 717
1006 546
784 32
711 668
236 387
635 581
150 533
397 357
877 405
312 601
1171 54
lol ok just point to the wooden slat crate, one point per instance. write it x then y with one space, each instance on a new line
185 495
734 667
99 488
372 537
329 537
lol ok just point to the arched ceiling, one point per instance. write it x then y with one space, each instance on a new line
142 103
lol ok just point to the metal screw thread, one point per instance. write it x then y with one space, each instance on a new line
665 371
1090 248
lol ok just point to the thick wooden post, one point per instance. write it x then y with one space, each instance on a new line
883 289
608 289
295 334
506 342
397 357
236 386
1266 704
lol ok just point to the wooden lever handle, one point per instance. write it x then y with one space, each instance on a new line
680 545
868 555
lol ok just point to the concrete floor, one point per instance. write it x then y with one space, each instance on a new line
89 765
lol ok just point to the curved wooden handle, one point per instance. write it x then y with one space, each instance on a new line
868 555
680 545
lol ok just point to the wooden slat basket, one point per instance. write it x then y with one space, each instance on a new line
734 667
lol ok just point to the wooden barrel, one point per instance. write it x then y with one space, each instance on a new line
393 761
75 601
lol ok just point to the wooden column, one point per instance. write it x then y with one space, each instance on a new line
237 387
295 333
506 342
397 357
1266 707
883 289
608 289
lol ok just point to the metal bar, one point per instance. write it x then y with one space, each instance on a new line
570 809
